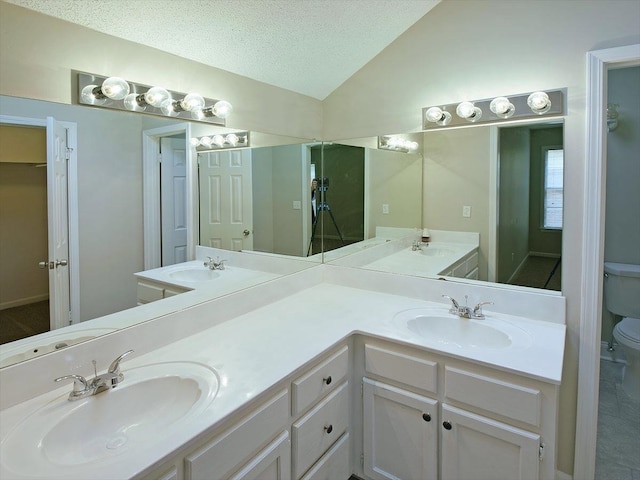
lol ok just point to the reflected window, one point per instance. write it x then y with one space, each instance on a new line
553 188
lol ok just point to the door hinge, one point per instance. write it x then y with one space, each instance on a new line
361 390
362 459
70 321
67 153
541 451
159 158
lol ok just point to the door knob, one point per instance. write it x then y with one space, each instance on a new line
45 264
61 263
246 233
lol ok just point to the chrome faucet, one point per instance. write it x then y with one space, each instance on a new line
216 264
465 311
83 388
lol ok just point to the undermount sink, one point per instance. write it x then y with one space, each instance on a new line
195 275
451 330
156 399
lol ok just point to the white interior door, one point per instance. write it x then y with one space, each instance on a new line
173 190
226 218
57 207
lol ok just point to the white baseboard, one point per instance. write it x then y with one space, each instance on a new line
544 254
24 301
563 476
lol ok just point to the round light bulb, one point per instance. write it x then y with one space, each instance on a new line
206 141
218 140
192 101
197 114
222 109
167 107
502 107
539 102
88 96
194 141
434 114
115 88
232 139
156 96
131 103
412 146
465 109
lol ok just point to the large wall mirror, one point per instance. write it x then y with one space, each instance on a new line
110 199
501 183
346 202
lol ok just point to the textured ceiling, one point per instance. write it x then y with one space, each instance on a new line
308 46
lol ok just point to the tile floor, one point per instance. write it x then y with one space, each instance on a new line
618 443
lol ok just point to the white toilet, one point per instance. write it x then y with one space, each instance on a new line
622 298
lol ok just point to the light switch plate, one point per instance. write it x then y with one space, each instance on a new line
466 211
385 208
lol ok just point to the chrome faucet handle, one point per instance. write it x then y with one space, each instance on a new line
477 310
114 368
80 386
455 305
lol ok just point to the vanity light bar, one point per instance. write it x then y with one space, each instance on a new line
221 141
119 94
397 144
494 110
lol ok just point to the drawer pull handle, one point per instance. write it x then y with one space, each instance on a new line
446 425
329 429
426 417
327 380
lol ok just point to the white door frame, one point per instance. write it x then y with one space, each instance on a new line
151 193
598 63
72 199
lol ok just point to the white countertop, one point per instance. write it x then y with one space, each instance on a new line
257 349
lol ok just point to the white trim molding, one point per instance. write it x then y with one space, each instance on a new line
598 62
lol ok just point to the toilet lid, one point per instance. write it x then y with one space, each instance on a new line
630 328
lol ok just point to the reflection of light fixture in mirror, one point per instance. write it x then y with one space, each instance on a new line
221 141
502 107
397 144
115 88
117 93
539 102
469 111
612 116
438 116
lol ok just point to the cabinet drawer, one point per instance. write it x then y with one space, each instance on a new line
217 458
492 395
310 387
334 464
403 368
149 293
316 431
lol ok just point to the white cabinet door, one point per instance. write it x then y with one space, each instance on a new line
478 448
400 433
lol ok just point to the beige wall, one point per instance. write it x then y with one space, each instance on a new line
20 144
456 173
38 53
454 53
394 179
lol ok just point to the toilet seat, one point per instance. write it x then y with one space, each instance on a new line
628 331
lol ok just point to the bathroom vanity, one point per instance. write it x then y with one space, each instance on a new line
319 374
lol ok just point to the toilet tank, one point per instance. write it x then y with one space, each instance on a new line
622 289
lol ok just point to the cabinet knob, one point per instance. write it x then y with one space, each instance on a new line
446 425
426 417
327 380
329 429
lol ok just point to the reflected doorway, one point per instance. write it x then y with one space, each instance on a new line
530 205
